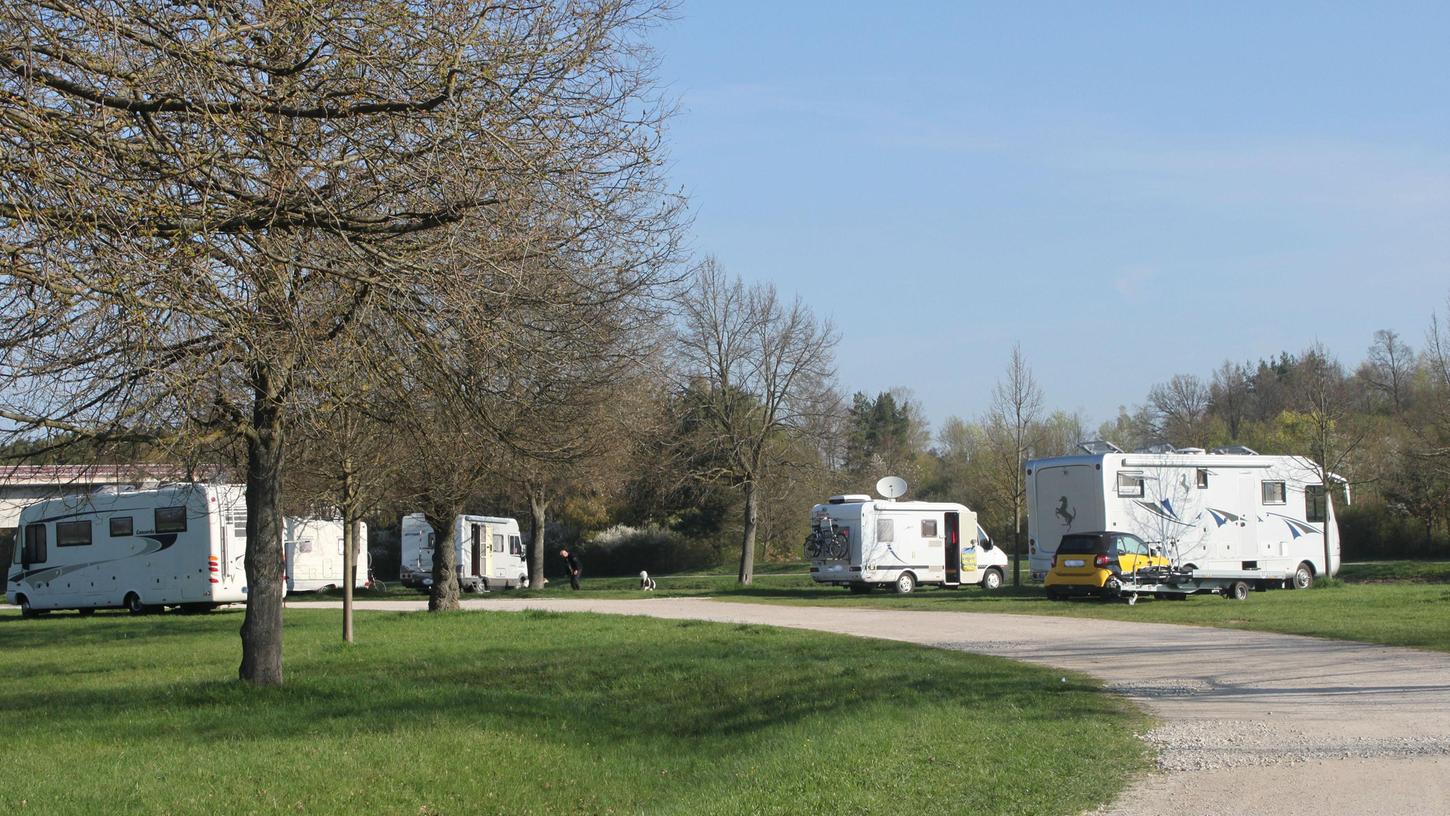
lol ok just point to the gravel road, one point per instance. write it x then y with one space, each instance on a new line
1251 722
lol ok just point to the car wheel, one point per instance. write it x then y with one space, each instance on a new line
905 583
134 605
992 580
1113 587
1303 576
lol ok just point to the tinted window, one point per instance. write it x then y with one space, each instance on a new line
171 519
928 528
1202 477
34 549
72 533
1082 545
121 526
1316 509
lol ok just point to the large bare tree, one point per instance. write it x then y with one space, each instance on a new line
197 194
754 370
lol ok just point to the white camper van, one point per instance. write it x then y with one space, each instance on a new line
315 555
176 545
1227 510
489 551
860 543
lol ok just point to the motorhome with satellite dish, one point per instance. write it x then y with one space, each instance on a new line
1262 520
489 551
175 545
861 543
314 551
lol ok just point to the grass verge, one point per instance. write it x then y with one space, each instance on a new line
534 713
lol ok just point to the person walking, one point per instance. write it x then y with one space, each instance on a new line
574 565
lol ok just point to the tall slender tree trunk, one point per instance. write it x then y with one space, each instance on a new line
538 508
444 595
349 544
262 626
747 539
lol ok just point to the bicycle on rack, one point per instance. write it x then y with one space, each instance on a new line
827 541
374 583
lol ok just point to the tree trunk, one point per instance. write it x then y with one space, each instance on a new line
262 626
349 545
538 507
747 540
444 595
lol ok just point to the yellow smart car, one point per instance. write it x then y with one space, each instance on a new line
1095 563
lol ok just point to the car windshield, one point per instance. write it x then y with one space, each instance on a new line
1081 545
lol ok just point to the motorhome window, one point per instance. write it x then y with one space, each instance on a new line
498 542
1316 509
1273 492
928 528
516 545
34 552
304 546
885 531
1203 477
121 526
73 534
171 519
1130 485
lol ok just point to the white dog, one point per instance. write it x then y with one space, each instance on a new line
646 583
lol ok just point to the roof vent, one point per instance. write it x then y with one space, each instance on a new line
849 497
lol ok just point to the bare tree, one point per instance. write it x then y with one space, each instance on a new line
1390 368
1229 396
757 370
1180 410
1012 424
197 194
1322 394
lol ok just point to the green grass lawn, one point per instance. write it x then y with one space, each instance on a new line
1428 572
525 713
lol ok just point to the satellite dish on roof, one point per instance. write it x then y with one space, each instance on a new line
891 487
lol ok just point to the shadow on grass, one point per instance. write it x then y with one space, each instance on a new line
687 680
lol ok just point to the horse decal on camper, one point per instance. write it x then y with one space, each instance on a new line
1065 514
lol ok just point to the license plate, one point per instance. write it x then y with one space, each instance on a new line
1073 562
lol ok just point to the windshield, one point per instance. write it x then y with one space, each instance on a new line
1082 545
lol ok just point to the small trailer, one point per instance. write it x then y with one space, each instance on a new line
861 543
489 552
142 550
1176 583
313 548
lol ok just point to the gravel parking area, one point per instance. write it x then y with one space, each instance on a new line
1250 722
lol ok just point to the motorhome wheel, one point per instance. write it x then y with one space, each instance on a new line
992 580
134 605
1238 591
26 610
905 583
1304 576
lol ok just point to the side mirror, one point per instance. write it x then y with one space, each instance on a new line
987 544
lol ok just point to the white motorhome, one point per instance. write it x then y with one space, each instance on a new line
1231 509
860 543
314 554
175 545
488 549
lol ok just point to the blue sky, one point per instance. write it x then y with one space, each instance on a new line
1128 190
